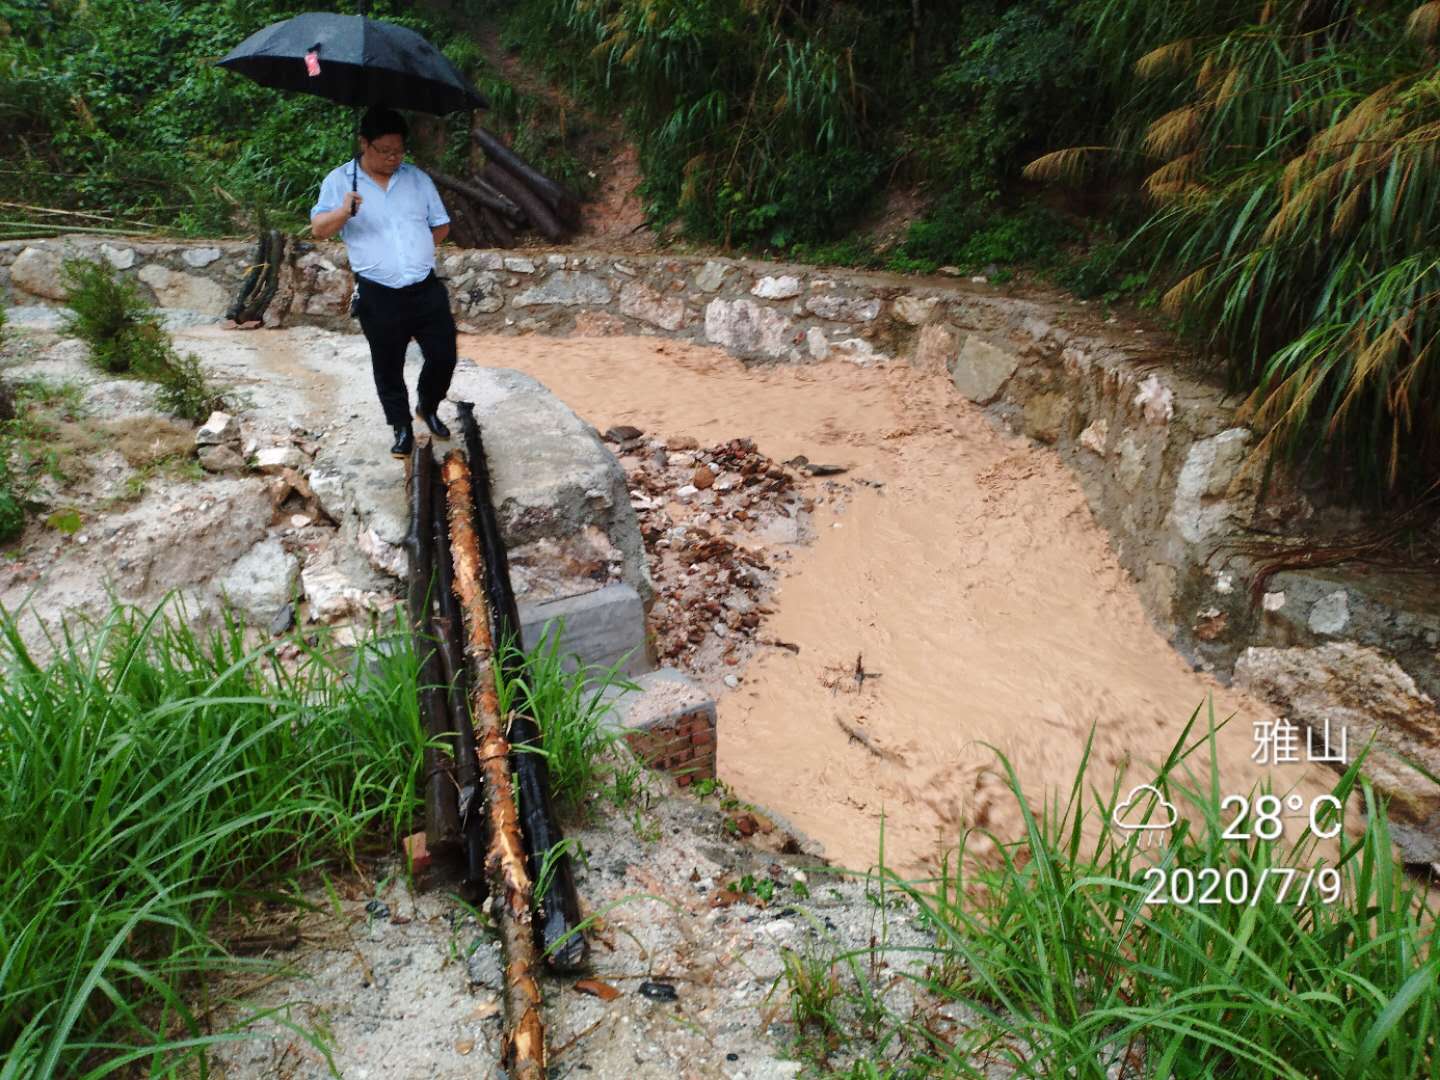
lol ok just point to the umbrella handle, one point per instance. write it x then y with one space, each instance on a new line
355 186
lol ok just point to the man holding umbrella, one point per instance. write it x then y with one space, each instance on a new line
391 245
357 61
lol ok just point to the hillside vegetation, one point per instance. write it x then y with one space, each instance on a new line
1261 169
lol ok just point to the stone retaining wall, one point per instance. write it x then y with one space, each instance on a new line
1159 452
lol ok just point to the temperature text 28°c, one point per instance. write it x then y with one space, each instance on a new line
1262 819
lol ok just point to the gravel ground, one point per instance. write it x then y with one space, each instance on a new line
405 982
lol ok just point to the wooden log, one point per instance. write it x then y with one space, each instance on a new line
262 281
523 1041
450 630
536 211
559 198
481 192
499 228
467 227
557 926
442 813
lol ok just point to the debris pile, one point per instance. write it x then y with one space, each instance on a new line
711 518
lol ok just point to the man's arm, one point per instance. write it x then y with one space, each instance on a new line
327 224
435 213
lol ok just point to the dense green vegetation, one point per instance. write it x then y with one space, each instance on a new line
1265 165
1065 966
159 784
155 780
116 108
1268 164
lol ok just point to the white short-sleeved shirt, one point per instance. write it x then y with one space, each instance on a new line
389 240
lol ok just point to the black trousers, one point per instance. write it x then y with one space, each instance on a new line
391 319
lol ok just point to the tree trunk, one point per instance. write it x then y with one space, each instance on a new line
564 203
557 930
523 1042
450 630
480 191
538 213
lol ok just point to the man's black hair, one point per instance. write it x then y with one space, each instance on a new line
379 121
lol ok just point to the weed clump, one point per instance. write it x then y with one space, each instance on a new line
12 509
126 338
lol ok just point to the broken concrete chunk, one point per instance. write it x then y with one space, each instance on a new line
262 581
383 556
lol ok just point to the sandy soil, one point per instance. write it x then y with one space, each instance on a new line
962 564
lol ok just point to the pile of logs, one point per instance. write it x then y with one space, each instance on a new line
487 798
507 195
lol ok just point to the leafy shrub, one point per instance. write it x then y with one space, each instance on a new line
973 234
125 337
185 391
108 313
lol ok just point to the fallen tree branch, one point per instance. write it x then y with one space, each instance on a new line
523 1042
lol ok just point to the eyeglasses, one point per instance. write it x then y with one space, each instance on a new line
393 155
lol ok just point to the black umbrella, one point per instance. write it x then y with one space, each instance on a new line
353 60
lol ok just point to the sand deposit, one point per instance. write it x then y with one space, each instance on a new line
959 565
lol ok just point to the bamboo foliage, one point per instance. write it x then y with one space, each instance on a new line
1289 148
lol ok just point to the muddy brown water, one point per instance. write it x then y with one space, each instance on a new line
973 580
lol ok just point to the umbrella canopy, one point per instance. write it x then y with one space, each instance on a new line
354 61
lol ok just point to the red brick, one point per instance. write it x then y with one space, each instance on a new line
416 853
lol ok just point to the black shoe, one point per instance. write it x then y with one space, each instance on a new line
434 423
404 442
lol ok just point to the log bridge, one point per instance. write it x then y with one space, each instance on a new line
487 793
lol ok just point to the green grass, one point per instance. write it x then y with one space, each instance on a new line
1069 969
152 778
570 709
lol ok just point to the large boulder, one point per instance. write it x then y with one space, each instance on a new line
982 370
37 272
188 292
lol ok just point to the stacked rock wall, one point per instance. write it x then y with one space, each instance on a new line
1159 451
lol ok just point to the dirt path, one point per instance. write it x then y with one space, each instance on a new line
961 564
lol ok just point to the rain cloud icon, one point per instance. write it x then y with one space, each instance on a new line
1163 818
